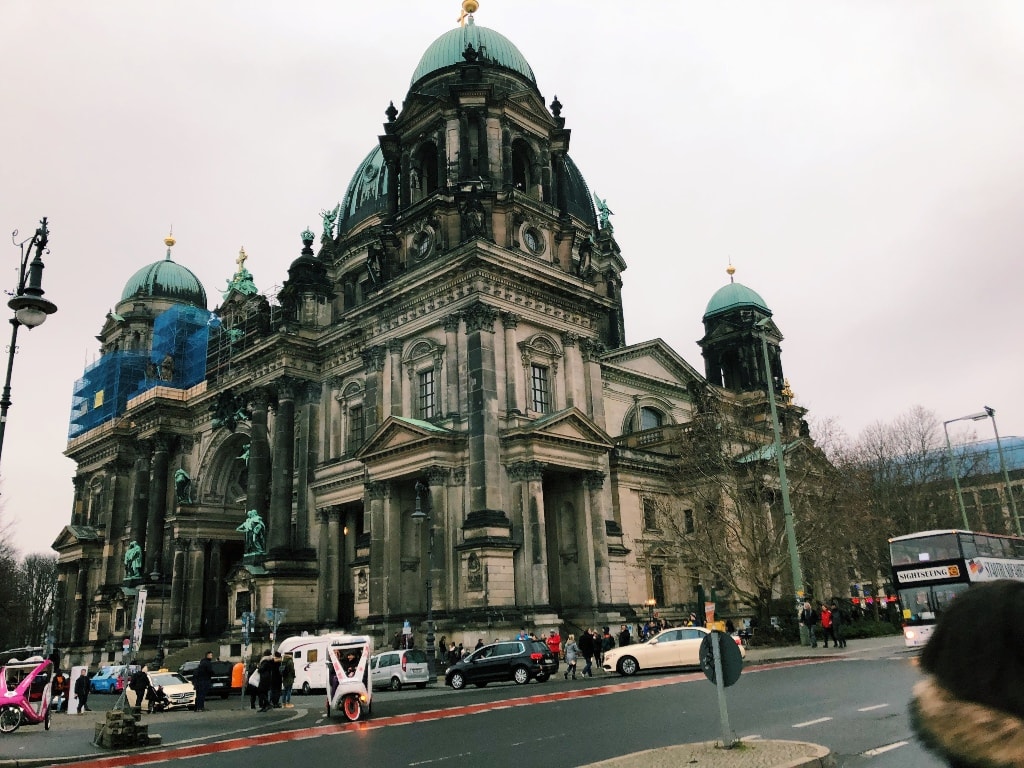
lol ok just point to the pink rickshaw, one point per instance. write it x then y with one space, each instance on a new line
25 693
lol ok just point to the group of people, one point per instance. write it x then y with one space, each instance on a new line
270 681
831 619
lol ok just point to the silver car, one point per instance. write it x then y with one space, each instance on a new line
393 669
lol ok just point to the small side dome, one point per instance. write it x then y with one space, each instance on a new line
166 280
367 193
732 296
579 201
493 49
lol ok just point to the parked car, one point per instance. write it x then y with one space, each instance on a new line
221 683
393 669
180 693
516 660
674 647
109 680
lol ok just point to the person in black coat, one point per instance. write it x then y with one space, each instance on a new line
266 665
82 691
586 644
276 681
202 679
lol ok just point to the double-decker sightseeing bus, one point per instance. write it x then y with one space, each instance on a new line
931 568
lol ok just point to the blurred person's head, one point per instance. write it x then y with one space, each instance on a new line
970 707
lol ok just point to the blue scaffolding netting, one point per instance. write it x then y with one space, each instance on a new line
177 360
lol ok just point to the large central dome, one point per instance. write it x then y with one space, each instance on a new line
493 48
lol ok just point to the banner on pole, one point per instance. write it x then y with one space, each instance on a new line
140 618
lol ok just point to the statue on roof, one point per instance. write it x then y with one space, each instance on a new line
255 533
242 280
329 218
182 486
133 561
603 212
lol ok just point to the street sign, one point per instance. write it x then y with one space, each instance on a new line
732 661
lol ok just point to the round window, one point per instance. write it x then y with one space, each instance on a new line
533 239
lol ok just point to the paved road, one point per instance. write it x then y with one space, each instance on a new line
853 703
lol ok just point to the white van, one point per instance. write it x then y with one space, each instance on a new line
309 652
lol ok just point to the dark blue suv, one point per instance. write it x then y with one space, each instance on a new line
517 660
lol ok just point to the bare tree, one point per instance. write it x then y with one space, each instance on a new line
38 583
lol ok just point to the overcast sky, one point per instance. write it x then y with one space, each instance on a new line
860 163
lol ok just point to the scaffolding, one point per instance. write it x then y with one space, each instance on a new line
177 360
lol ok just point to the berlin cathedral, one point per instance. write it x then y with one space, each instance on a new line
436 415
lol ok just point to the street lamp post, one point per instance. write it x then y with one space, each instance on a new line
30 308
650 603
991 413
419 515
952 462
787 507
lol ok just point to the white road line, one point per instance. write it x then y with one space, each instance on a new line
881 750
812 722
876 706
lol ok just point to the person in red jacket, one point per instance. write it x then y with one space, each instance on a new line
554 642
826 626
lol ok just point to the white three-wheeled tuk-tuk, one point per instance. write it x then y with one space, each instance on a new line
348 673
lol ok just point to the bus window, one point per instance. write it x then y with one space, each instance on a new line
969 546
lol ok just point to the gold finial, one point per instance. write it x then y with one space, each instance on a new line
169 241
730 270
240 261
469 7
787 393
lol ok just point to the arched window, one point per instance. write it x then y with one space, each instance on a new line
522 167
423 177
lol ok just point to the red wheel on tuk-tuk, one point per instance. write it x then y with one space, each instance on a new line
350 706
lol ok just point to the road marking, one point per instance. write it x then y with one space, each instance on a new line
882 750
812 722
876 706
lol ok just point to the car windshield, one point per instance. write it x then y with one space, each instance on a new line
416 656
167 678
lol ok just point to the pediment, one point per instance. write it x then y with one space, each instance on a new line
655 360
399 432
570 425
77 535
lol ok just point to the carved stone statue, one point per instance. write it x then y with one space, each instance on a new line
182 487
603 212
473 217
255 533
133 561
329 218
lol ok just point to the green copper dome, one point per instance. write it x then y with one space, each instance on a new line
732 296
494 49
165 280
367 193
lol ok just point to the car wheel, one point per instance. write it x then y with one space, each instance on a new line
521 675
421 686
628 666
396 684
457 681
306 689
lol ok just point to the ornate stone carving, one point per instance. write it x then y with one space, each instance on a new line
480 317
451 323
526 470
373 358
510 320
376 489
437 475
594 480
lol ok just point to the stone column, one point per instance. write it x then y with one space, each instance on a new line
140 494
178 585
451 359
279 539
513 387
213 605
484 467
306 459
193 600
573 372
78 481
157 506
259 457
590 351
375 495
595 510
373 399
323 563
334 564
395 395
535 526
439 565
81 601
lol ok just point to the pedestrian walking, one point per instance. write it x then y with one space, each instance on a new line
252 690
624 637
554 643
969 709
287 680
82 692
607 643
572 652
809 618
837 624
139 685
266 662
586 646
202 679
826 625
275 681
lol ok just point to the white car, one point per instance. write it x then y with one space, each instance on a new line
393 669
179 691
674 647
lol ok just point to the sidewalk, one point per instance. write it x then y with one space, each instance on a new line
70 736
